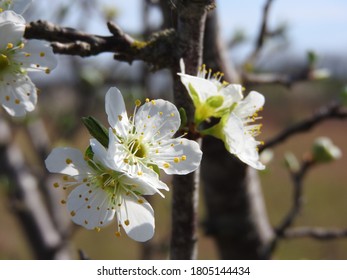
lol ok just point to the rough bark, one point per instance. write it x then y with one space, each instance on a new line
191 17
236 215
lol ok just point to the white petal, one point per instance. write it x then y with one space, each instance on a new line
158 119
18 95
67 161
145 184
90 207
177 156
250 105
203 87
116 152
250 155
241 144
10 32
232 93
101 155
116 111
141 219
11 16
36 56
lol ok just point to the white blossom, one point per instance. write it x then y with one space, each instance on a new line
211 96
18 94
145 141
103 192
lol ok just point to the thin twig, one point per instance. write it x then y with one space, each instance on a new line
315 233
297 178
288 220
333 111
263 32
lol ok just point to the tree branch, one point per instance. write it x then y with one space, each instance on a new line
263 33
315 233
333 111
190 31
157 51
45 240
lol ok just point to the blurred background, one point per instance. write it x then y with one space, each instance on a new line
307 37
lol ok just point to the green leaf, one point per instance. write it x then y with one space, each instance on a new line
97 130
89 154
183 116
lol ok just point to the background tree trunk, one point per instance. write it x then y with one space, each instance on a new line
236 215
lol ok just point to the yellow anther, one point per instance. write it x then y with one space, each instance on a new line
21 45
117 233
172 114
68 161
140 201
7 98
97 229
42 54
27 55
56 185
17 101
147 100
72 213
120 117
183 157
125 160
160 113
126 222
166 165
137 102
149 116
9 45
47 71
63 201
156 151
153 102
176 160
139 173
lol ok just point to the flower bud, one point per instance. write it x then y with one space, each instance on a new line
323 150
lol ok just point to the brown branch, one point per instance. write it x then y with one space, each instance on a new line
190 30
333 111
263 33
157 51
28 206
297 178
315 233
288 220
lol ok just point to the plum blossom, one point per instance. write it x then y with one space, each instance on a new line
18 94
102 192
145 141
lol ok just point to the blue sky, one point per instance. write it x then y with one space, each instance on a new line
312 24
319 24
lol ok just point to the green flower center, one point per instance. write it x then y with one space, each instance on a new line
138 149
4 62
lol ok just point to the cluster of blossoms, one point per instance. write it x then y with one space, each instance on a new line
237 114
111 179
18 56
